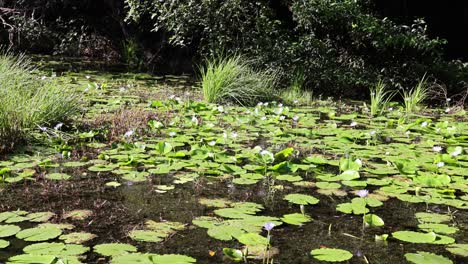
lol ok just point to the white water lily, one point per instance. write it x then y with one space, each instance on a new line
353 124
440 164
58 126
263 118
280 105
128 133
282 117
212 143
437 148
424 124
372 132
456 152
295 118
172 133
234 135
358 161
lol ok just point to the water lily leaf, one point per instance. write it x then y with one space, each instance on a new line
331 254
348 175
219 203
426 258
244 181
296 219
146 235
57 176
252 239
415 237
432 217
133 258
40 216
438 228
78 214
4 243
458 249
373 220
224 232
77 237
114 249
113 184
13 216
328 185
172 259
28 258
55 249
297 198
39 233
9 230
285 153
289 178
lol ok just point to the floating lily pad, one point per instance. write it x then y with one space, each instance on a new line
331 254
426 258
40 216
303 199
458 249
57 176
39 233
438 228
114 249
56 249
296 219
252 239
77 237
4 243
78 214
8 230
432 218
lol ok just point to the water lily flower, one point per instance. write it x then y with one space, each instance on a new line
456 152
122 89
263 118
269 226
234 135
440 164
212 143
43 78
58 126
280 105
358 161
296 101
362 193
424 124
447 110
372 132
265 104
128 133
282 117
194 119
172 133
43 129
171 96
390 109
437 148
353 124
225 135
88 77
264 152
295 118
260 104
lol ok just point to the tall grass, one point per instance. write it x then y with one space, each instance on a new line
27 101
234 80
379 99
414 97
295 93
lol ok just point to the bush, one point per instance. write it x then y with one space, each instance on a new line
233 80
342 46
27 102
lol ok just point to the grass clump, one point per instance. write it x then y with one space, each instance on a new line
380 99
414 97
234 80
295 93
28 101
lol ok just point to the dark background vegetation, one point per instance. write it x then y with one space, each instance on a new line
339 46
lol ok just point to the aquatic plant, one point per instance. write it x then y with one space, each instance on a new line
233 80
380 98
412 99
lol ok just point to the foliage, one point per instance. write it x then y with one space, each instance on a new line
21 92
413 99
233 80
380 99
337 45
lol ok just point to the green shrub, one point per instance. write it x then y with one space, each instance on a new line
233 80
27 101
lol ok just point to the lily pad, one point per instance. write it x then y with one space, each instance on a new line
331 254
426 258
8 230
252 239
78 214
296 219
77 237
55 249
458 249
4 243
114 249
57 176
302 199
39 233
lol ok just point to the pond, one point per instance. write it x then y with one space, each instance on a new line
150 166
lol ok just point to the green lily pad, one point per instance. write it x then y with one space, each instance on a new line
146 236
426 258
415 237
438 228
373 220
40 216
432 218
114 249
8 230
252 239
77 237
4 243
57 176
78 214
331 254
296 219
458 249
56 249
297 198
39 233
